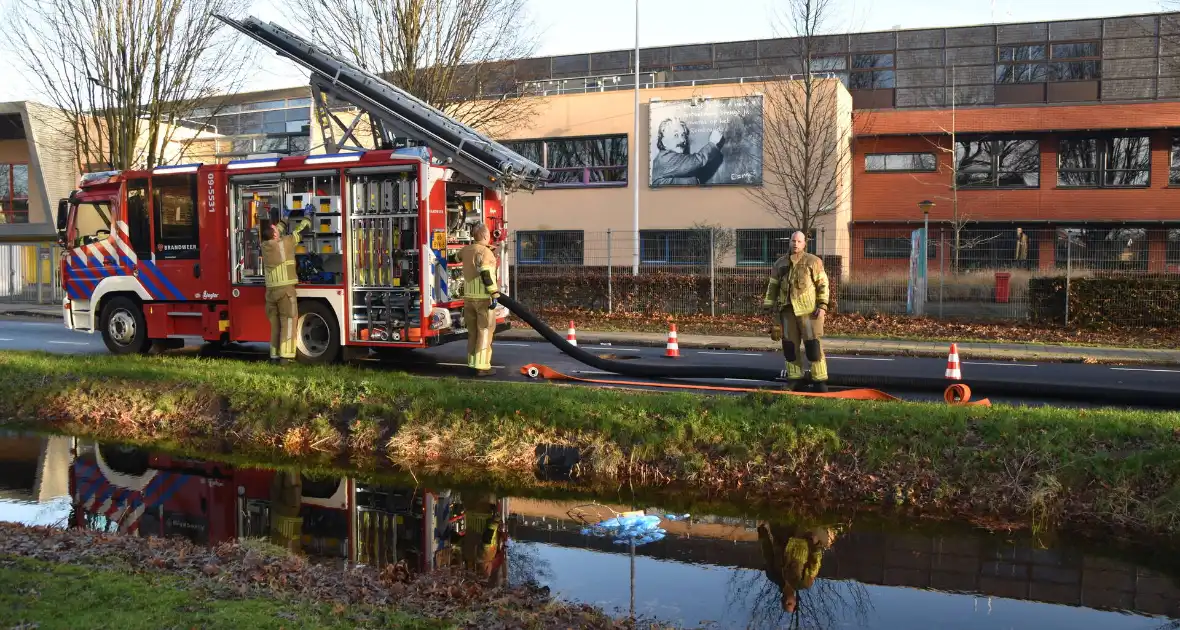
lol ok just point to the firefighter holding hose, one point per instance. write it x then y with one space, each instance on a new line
282 308
797 293
479 300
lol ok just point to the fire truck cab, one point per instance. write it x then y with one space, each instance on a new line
151 258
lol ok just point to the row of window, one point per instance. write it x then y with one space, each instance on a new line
1106 161
14 193
666 247
988 248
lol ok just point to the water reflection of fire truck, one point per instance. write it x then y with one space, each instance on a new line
130 490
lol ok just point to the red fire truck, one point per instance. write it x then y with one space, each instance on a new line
155 257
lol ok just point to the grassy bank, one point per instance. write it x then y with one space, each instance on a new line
53 578
1091 469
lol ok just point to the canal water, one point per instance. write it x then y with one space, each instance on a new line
742 570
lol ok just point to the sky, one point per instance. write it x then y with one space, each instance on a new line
610 25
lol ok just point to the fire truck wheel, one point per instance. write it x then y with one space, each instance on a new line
124 330
318 338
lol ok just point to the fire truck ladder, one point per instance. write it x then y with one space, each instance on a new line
395 113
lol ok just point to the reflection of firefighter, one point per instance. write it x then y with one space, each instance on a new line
793 556
485 541
286 497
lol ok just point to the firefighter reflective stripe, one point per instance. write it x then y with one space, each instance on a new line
480 324
794 370
771 292
283 275
278 257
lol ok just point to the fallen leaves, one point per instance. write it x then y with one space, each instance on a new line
232 570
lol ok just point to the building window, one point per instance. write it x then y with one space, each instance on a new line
872 71
1105 162
1174 173
763 247
900 162
550 247
174 208
14 193
1009 163
895 247
674 247
1021 64
1075 61
578 162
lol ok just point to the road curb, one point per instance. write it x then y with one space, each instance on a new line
834 346
34 314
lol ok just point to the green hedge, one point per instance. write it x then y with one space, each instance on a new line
671 289
1115 300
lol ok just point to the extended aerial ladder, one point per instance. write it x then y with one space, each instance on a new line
395 113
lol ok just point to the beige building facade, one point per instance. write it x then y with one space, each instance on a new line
587 141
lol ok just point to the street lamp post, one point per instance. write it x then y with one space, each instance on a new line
634 152
926 205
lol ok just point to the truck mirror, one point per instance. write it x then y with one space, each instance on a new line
63 215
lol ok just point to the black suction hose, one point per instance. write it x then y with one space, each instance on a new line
1134 397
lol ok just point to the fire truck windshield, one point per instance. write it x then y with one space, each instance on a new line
91 224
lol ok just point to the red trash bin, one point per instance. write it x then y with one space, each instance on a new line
1002 281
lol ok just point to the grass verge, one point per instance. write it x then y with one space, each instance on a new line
38 594
1107 470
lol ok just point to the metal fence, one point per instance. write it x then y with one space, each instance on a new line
972 272
29 274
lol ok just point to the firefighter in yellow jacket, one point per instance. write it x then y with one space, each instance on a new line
798 292
480 293
282 308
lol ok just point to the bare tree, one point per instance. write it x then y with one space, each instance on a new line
126 77
959 159
455 55
807 144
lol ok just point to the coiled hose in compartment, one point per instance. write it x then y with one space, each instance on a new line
1129 396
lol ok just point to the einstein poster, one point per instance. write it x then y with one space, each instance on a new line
706 142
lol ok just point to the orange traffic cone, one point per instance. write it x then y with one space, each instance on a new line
673 350
571 336
952 364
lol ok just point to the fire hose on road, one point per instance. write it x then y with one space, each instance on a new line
1130 396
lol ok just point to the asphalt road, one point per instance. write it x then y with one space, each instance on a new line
509 356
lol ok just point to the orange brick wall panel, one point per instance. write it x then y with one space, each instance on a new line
1158 115
895 196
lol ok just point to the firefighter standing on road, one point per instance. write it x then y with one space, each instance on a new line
798 293
282 308
479 300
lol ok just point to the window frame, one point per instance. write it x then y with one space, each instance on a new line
931 252
1174 162
665 234
586 179
994 170
872 71
8 211
1013 69
519 259
886 156
1100 170
172 182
